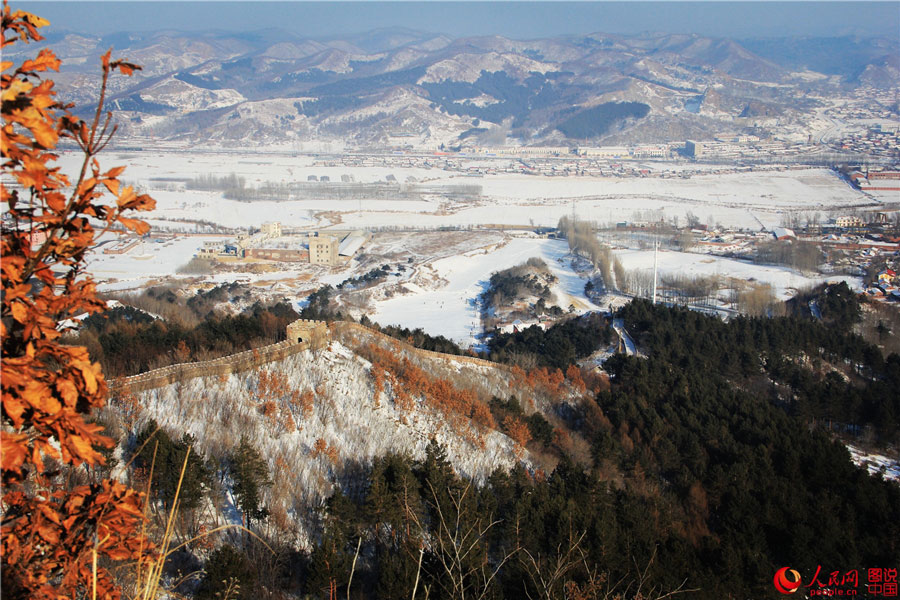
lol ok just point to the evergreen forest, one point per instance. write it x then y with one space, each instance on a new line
711 463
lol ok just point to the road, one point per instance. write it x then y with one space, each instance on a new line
619 327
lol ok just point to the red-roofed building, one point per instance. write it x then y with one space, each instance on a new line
887 276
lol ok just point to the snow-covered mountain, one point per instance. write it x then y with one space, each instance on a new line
399 87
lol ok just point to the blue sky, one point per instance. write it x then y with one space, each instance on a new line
519 20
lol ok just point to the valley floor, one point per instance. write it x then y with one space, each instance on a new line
447 270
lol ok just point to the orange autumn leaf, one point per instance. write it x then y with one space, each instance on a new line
19 312
48 388
45 60
13 451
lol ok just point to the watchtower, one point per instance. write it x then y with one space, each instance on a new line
305 330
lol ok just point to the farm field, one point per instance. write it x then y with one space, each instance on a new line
448 270
750 200
785 281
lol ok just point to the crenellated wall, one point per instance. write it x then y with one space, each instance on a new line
306 330
314 334
302 334
343 327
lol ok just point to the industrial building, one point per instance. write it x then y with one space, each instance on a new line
521 150
878 181
693 148
847 221
604 151
210 249
335 248
326 248
279 254
323 249
271 229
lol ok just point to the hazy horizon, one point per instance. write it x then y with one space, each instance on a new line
518 20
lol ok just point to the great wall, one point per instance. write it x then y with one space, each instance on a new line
302 335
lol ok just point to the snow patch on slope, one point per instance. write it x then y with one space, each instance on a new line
468 67
189 98
218 411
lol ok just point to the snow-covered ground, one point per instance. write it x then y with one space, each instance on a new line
190 205
749 200
159 259
439 293
451 308
785 281
149 259
875 463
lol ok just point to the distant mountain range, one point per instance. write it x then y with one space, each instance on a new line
398 87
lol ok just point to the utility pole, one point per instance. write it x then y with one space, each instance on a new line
655 265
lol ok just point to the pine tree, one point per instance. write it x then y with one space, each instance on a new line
250 473
167 465
228 574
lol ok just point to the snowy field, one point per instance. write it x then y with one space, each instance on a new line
875 463
255 167
147 260
751 200
784 280
452 310
440 292
190 205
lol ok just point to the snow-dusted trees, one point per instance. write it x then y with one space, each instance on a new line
250 474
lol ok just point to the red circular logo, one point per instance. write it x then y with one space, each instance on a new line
785 583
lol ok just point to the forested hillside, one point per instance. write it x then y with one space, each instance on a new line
128 341
701 468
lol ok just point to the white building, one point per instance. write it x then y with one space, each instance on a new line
604 151
847 221
271 229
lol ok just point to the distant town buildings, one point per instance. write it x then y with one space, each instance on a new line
887 276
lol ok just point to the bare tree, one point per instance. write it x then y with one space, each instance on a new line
598 586
459 546
548 573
